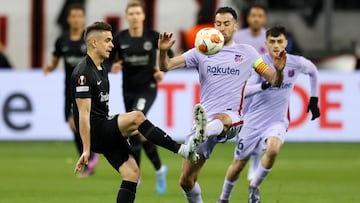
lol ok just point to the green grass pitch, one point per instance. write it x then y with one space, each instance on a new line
41 172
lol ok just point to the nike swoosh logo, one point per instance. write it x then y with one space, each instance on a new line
98 82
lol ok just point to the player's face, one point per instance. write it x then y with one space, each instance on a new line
226 24
76 19
276 44
104 44
256 18
135 16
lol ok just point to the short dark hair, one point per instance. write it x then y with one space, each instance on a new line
97 26
134 3
75 6
257 6
276 31
227 9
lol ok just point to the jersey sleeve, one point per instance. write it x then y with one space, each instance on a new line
309 68
58 51
82 86
253 84
191 58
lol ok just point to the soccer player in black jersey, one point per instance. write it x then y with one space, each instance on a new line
136 49
107 134
71 46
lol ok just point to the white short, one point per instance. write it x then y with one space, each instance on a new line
206 148
253 141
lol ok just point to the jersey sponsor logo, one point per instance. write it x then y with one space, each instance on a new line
291 73
238 58
137 60
73 60
148 45
104 96
124 46
217 70
283 86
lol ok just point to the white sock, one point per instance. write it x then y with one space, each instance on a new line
260 175
254 162
194 195
227 189
214 128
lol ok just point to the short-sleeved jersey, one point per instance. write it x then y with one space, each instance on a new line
272 105
139 58
244 36
89 82
71 51
223 76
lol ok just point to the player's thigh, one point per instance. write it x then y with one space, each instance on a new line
128 123
248 142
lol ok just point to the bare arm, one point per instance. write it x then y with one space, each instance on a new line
54 62
274 77
84 106
165 63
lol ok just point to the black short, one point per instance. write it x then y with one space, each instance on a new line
107 139
140 101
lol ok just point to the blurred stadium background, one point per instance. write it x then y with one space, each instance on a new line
320 162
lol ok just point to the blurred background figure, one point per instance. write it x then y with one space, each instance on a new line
71 47
4 62
135 53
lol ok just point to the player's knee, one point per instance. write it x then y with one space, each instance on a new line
186 183
272 151
131 174
137 117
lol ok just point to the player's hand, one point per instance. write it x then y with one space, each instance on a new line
280 61
265 85
165 42
159 75
314 108
116 67
83 160
46 69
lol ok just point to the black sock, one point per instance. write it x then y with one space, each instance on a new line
152 153
126 192
158 137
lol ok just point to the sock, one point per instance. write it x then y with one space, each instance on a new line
194 195
158 137
214 128
152 153
260 175
227 189
126 192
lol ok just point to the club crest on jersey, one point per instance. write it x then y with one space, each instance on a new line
291 73
148 45
82 80
238 58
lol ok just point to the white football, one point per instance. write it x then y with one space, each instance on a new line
209 41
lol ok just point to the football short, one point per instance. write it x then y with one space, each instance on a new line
207 147
107 139
253 141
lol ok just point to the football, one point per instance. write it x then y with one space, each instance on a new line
209 41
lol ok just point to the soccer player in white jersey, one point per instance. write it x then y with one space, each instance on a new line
267 119
222 82
254 35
